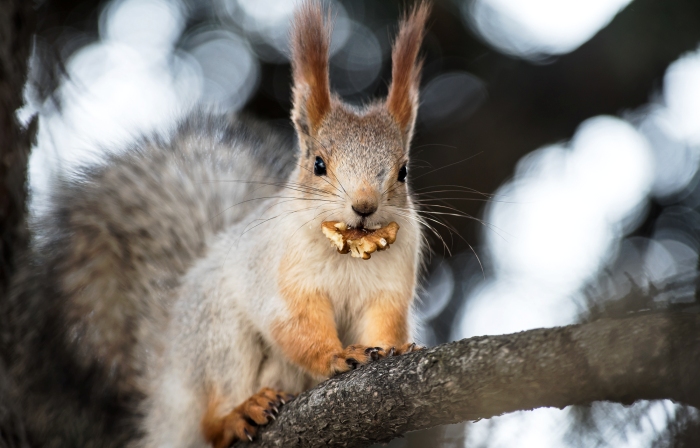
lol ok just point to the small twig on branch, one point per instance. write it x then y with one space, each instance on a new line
621 360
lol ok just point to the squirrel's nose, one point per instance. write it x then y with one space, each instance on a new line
364 209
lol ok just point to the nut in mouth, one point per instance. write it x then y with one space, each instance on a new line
360 242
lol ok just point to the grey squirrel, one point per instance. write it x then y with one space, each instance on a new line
177 293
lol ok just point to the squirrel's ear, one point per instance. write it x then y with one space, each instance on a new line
310 43
402 101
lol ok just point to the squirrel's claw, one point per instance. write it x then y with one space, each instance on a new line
354 356
408 348
374 352
242 423
285 398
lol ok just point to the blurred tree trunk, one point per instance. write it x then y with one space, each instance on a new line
17 25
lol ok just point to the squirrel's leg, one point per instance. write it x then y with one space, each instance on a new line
308 337
232 412
242 422
385 323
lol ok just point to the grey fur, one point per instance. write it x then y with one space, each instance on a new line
96 289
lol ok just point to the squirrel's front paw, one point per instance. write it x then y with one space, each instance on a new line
354 356
242 423
403 349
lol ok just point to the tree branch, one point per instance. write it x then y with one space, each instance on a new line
622 360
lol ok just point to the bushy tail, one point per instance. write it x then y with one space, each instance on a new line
115 242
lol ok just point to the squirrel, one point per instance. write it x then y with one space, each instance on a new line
179 292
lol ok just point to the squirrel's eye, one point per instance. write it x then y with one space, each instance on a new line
402 174
319 167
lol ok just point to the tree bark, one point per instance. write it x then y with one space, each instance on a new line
622 360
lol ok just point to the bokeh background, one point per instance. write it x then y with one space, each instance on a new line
556 152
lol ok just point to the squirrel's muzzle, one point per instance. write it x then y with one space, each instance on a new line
365 209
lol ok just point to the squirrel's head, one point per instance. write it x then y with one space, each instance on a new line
353 158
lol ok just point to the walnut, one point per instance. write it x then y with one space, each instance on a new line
359 242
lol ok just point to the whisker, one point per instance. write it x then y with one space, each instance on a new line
428 199
448 165
260 198
289 185
323 179
461 214
424 163
247 228
282 214
451 188
413 149
423 222
315 217
452 229
293 199
402 217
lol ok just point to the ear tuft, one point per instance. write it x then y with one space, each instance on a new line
402 101
310 43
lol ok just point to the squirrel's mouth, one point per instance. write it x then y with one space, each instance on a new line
363 226
359 242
